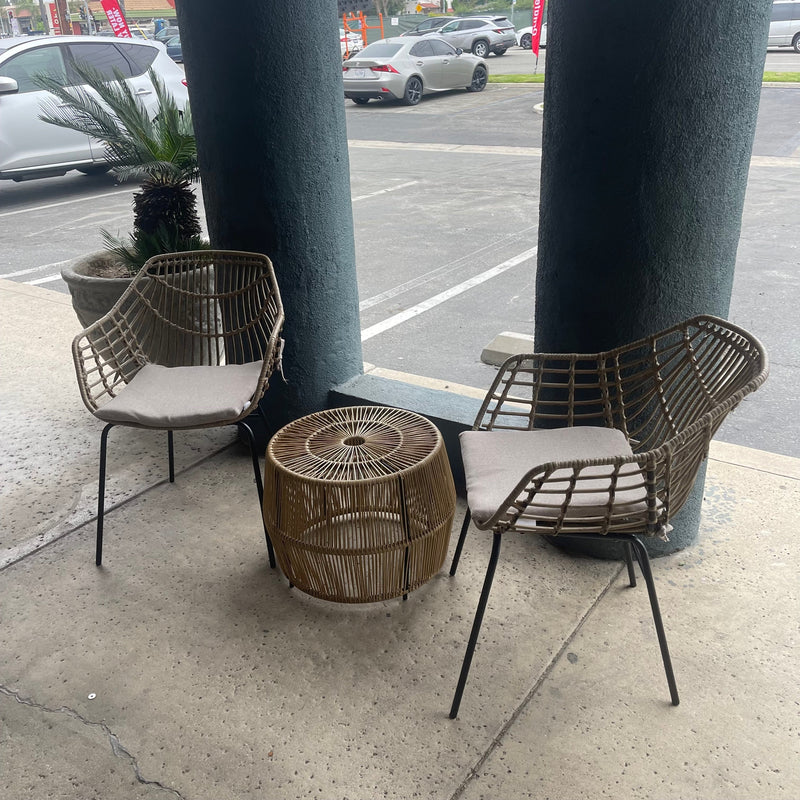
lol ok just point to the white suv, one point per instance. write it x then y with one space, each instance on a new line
784 26
31 148
480 35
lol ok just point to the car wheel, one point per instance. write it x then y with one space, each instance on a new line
413 91
525 42
360 101
98 169
796 43
479 79
481 48
500 52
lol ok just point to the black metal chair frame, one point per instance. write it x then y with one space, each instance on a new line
632 546
242 426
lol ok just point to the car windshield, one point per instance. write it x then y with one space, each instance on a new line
380 50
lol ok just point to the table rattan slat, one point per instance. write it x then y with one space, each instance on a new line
359 502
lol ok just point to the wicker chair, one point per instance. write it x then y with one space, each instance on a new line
191 344
604 445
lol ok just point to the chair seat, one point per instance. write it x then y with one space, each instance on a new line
496 461
183 397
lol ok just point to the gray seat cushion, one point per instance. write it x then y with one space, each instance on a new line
183 397
495 462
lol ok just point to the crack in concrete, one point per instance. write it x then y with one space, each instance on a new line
117 748
474 772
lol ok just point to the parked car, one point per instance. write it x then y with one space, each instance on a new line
784 26
427 26
167 33
405 68
524 37
31 148
480 35
350 42
174 49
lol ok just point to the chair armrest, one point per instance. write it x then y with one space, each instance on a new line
637 493
600 495
273 358
106 358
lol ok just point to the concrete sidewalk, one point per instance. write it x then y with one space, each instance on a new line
185 667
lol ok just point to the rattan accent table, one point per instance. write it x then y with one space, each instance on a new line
359 502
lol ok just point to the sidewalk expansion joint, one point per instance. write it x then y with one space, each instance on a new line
36 544
117 748
475 770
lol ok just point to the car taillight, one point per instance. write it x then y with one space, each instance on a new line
183 81
344 69
385 68
498 30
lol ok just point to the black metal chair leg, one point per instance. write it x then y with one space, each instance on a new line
628 548
476 626
460 545
259 485
647 574
101 492
171 448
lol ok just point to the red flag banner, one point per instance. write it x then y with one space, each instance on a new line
536 30
116 19
55 22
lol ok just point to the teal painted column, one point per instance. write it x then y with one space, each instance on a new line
650 113
266 95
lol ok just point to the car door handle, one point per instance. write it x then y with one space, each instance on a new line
140 92
446 61
420 63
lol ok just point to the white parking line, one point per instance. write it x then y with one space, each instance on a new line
435 147
439 272
66 202
19 273
385 191
48 279
448 294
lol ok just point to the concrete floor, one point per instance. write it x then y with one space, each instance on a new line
185 667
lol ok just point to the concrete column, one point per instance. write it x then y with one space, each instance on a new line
650 112
266 95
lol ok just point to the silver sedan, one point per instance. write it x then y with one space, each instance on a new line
405 68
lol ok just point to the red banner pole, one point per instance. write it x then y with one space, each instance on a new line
536 29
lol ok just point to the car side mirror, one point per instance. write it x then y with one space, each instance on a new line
8 85
459 51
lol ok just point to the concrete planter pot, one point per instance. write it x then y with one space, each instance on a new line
92 296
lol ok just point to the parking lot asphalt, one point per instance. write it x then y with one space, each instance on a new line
445 203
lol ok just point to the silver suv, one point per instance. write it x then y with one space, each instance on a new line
31 148
480 35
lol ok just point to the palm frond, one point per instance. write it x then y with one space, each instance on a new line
134 251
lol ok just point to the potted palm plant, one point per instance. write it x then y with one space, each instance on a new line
159 151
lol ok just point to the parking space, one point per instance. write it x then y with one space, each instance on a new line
445 205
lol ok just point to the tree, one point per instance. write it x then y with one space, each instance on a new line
161 152
389 7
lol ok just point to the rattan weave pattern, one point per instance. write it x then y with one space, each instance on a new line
198 308
359 502
668 393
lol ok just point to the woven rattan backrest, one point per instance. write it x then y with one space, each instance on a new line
203 308
667 382
652 389
198 308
